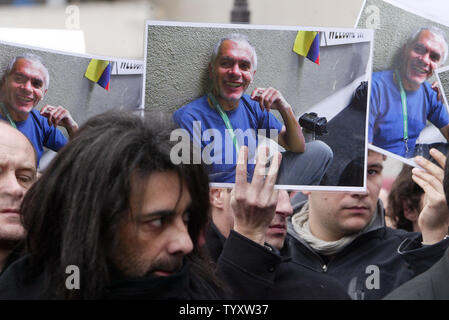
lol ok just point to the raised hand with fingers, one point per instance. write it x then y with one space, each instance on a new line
434 217
59 116
254 203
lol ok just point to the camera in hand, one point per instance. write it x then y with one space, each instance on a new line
310 121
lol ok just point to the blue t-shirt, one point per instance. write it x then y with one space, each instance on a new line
386 125
209 131
36 128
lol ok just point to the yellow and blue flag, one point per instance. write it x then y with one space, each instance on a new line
307 44
99 71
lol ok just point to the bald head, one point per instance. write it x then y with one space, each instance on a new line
17 174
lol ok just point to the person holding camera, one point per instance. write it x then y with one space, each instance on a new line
227 117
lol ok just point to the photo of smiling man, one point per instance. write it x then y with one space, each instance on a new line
23 85
232 118
402 100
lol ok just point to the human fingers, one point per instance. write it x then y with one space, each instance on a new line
436 88
58 115
270 180
428 182
438 156
260 170
273 170
270 96
241 171
255 95
48 112
430 167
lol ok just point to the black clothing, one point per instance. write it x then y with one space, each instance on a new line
184 285
430 285
256 272
214 241
375 263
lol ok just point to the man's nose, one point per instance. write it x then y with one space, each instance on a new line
361 194
27 86
179 239
10 189
235 69
425 58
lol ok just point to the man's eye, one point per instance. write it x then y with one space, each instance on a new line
372 172
435 57
186 217
226 63
25 180
37 84
156 222
420 49
245 66
19 78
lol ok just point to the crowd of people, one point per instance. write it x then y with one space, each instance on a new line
113 217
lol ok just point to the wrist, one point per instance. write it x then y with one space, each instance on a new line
433 236
251 233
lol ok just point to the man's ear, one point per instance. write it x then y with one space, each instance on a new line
409 214
216 197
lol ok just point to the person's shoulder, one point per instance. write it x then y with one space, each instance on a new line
384 76
427 88
40 120
248 102
12 282
194 107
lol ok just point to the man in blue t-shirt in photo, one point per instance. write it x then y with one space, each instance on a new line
227 118
402 100
23 85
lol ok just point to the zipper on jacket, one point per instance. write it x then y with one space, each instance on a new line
324 268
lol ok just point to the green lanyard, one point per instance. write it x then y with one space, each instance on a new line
404 110
225 118
7 115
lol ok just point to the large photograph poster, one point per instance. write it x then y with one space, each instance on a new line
407 114
330 95
65 83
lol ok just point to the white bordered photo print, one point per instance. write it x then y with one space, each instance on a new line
320 74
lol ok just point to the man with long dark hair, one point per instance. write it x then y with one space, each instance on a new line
113 217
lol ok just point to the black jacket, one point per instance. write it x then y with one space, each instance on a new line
185 285
430 285
255 272
375 263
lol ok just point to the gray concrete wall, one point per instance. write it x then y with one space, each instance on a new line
177 59
444 78
394 26
69 88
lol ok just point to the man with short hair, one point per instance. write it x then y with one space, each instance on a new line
116 211
223 221
402 101
247 239
23 85
344 235
227 118
17 174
